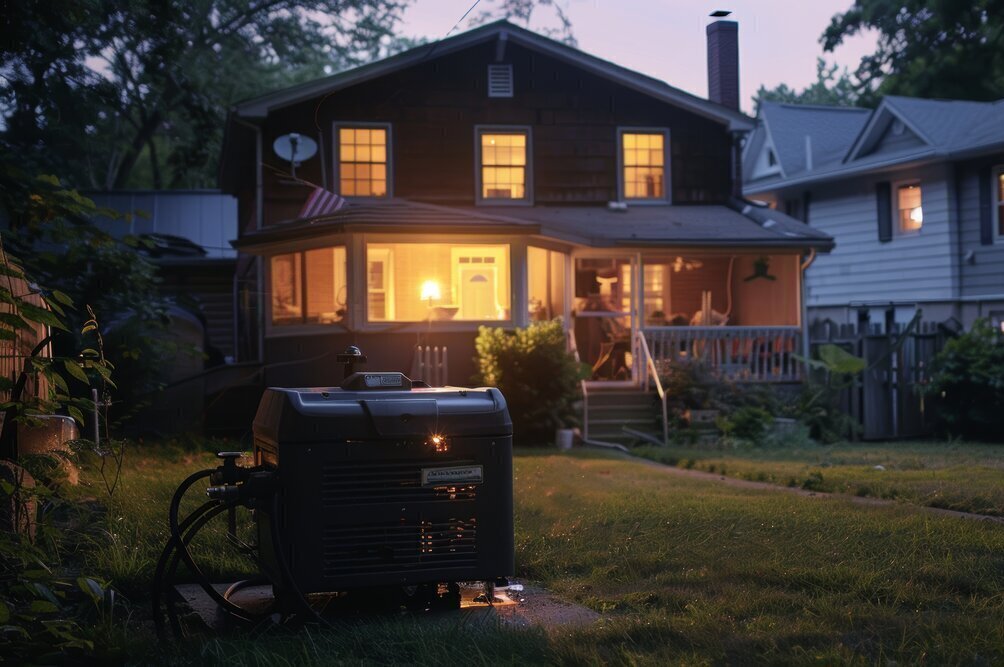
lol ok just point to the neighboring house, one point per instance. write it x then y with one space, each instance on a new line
499 178
191 232
913 194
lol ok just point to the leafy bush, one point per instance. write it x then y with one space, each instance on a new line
535 372
750 423
819 404
967 378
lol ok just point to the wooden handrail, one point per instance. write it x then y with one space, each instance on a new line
651 369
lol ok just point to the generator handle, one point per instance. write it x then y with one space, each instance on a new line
350 357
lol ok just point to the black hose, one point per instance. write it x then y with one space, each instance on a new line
158 577
203 582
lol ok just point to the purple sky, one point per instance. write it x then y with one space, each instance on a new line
778 39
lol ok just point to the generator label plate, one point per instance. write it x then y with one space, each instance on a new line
454 475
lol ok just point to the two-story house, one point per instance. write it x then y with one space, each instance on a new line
913 194
498 177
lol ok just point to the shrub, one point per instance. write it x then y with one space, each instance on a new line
967 379
535 372
750 423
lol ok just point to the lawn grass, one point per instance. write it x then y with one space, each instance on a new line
956 476
684 571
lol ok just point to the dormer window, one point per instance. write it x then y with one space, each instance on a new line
363 160
503 155
643 160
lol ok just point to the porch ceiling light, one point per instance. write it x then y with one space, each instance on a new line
430 291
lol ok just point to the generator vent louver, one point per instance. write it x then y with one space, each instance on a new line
500 81
382 482
401 546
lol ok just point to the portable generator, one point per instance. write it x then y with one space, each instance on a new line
380 483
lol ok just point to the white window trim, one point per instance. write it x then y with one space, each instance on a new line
273 330
898 231
336 162
995 202
503 129
667 166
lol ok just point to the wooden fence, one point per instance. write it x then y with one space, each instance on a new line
886 398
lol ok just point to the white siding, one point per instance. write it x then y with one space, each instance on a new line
984 275
861 268
208 218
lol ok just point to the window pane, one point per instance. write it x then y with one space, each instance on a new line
545 284
503 165
363 161
287 302
911 214
644 158
415 282
326 288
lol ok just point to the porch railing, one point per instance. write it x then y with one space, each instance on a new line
650 373
740 354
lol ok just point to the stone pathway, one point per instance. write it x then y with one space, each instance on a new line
766 486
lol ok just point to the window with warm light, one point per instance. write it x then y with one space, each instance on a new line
418 282
545 283
643 166
309 287
503 158
363 161
910 211
999 200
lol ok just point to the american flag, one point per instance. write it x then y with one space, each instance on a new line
321 202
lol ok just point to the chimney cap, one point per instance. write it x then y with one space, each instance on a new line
720 13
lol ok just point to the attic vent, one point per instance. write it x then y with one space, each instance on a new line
500 81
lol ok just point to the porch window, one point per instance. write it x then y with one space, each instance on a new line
362 161
643 165
910 211
417 282
309 287
502 160
545 271
999 200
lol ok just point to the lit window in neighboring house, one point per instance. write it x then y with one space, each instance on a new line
309 287
643 156
999 190
908 203
503 165
362 161
416 282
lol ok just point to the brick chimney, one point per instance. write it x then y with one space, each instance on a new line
723 63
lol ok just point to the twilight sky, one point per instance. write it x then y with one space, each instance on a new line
778 39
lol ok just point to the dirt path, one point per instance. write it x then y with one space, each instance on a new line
765 486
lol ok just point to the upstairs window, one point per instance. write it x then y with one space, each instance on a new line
503 160
363 161
998 189
643 165
309 287
910 212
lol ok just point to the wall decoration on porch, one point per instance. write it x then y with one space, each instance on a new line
761 269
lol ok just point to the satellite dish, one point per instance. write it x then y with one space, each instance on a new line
295 148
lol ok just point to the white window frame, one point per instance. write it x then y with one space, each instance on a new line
503 129
667 166
897 230
996 201
385 255
336 161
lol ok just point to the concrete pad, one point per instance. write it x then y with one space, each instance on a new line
531 606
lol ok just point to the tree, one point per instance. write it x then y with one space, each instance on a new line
110 94
830 88
928 48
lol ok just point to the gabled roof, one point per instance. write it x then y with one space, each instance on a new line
259 107
829 130
944 129
693 226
